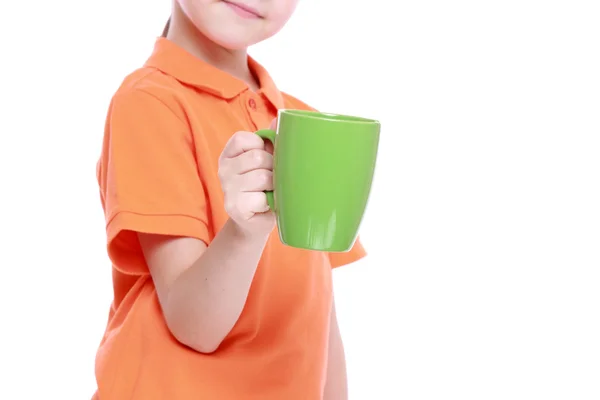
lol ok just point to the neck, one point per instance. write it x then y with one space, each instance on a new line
235 62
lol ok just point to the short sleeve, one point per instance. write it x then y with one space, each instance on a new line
148 178
340 259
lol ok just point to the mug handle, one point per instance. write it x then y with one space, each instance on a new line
269 134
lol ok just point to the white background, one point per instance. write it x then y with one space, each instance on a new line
483 227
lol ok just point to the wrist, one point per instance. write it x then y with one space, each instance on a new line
244 236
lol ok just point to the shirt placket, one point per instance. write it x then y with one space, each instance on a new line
256 110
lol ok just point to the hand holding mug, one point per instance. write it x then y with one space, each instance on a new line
246 172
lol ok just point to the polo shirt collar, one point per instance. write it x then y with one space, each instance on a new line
175 61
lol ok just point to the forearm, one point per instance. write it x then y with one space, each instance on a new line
206 300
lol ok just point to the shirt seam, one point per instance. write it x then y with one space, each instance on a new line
136 87
161 101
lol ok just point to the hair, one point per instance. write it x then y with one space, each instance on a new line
166 28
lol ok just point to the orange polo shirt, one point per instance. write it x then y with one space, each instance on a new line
165 130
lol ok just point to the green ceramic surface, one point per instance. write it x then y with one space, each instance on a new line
322 175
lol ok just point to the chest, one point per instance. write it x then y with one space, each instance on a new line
214 120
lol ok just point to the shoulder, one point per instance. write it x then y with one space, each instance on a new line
147 108
295 103
149 91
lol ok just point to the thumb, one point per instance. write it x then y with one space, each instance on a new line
273 125
268 145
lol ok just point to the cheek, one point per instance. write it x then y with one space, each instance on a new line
281 13
185 5
193 3
193 9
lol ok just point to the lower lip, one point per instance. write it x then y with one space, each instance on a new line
241 12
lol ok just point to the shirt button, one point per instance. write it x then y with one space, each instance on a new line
252 104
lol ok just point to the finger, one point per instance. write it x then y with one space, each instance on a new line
256 181
240 142
256 202
269 148
251 160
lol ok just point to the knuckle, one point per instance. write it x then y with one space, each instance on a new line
260 179
222 174
240 137
230 206
235 140
226 186
265 176
237 136
258 157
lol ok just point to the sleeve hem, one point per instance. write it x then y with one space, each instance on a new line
160 224
123 244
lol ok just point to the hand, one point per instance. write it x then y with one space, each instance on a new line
245 172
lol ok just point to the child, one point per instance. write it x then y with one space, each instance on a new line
208 304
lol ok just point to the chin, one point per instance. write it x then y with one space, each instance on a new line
236 40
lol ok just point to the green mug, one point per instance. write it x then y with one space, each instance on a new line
322 175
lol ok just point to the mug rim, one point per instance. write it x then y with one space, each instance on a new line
333 117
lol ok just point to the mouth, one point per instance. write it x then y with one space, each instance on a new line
243 10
